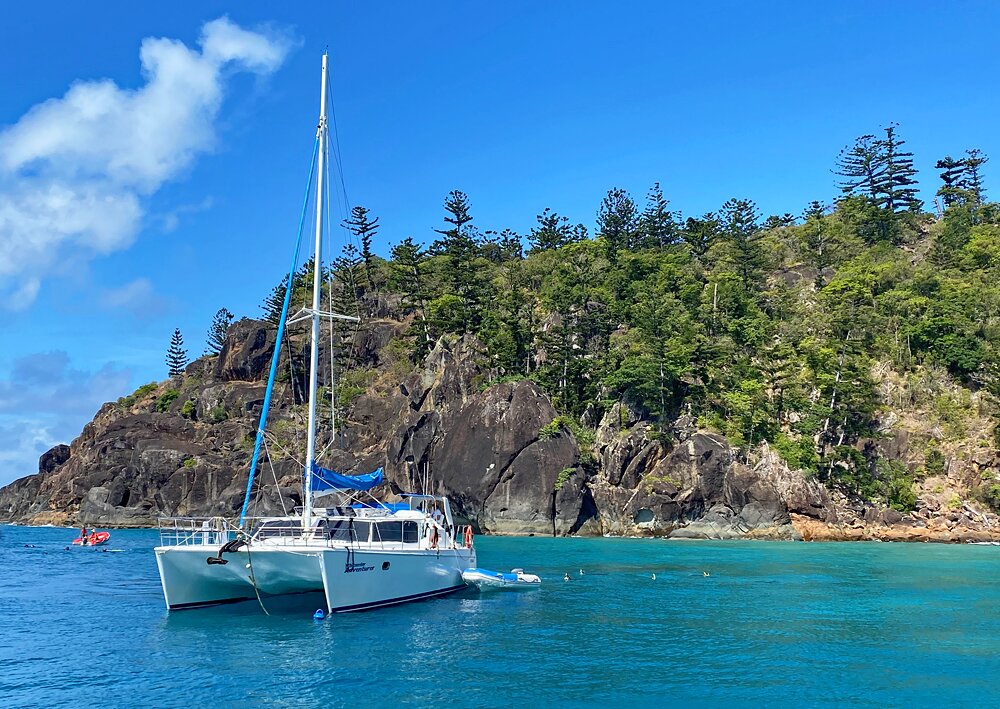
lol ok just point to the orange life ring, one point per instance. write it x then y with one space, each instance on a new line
468 537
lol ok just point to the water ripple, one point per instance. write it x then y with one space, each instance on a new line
771 624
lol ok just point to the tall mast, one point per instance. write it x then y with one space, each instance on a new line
317 290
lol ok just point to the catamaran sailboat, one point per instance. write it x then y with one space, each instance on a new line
359 553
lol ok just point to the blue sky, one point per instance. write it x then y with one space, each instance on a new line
176 201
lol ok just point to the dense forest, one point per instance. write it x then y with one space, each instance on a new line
800 331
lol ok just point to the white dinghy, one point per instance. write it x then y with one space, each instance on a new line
484 579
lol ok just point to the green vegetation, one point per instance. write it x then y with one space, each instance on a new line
127 402
566 423
143 390
166 399
352 384
218 414
765 329
989 494
934 462
564 475
651 481
188 409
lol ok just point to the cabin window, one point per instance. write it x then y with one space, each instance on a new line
389 531
279 528
410 535
340 530
362 531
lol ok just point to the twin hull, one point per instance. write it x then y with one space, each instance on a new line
350 579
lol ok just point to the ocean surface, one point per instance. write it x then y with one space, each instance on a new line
773 624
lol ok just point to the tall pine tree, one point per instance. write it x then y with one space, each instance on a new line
363 226
862 167
657 224
217 332
972 180
459 247
177 358
554 231
700 234
897 189
882 173
617 219
407 278
274 302
511 248
821 248
741 229
952 174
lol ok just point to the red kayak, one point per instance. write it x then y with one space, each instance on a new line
93 539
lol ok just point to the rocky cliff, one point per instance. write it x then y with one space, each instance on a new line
510 464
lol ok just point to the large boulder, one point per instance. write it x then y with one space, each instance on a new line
494 440
247 351
53 458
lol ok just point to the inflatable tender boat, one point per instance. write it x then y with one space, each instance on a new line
93 539
485 579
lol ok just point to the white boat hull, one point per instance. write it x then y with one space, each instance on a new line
371 579
349 579
189 581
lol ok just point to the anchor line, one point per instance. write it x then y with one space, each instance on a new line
253 580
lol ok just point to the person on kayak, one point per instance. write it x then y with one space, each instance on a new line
83 536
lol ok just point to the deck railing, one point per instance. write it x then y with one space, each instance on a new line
184 531
216 531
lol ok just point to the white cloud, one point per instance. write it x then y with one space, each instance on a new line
128 295
45 401
43 383
21 445
169 221
74 171
136 296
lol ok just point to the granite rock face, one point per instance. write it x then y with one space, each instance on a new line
182 448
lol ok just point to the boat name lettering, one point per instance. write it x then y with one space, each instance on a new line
357 566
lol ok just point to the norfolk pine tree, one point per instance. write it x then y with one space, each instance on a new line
177 358
972 180
274 302
952 173
363 226
616 222
406 278
657 224
217 332
897 188
740 228
554 231
459 246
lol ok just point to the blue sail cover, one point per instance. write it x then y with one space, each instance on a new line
324 479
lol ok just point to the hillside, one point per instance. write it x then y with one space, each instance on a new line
833 375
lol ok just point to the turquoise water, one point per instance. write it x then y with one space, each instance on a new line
774 624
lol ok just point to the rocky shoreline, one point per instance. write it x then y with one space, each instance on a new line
801 529
510 464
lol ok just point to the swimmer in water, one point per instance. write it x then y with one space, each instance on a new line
566 576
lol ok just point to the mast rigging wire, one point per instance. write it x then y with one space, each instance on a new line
277 344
